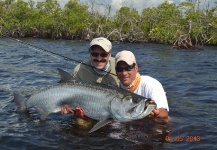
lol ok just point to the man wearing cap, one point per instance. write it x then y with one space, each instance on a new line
101 66
127 72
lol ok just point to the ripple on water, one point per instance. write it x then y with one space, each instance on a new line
189 78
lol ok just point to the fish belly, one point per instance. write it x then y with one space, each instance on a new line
95 103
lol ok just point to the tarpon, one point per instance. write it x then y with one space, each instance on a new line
98 101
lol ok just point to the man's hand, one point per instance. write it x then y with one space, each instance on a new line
66 110
77 112
159 115
154 112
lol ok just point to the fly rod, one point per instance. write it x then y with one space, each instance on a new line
50 52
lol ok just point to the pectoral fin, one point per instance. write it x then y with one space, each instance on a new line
99 125
43 114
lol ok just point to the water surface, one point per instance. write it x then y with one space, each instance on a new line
188 77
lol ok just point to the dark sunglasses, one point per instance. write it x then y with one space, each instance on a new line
127 68
95 54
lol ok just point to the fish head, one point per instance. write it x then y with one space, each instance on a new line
130 107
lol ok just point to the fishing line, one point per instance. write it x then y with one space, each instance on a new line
50 52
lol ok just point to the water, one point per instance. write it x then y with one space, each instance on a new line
188 77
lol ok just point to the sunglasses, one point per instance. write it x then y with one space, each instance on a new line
95 54
127 68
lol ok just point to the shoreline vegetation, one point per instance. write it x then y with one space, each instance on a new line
184 26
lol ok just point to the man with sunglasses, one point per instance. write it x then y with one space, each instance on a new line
127 72
99 68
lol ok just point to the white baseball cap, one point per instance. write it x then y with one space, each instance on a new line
126 56
102 42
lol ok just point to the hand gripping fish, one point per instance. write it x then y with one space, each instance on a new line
99 101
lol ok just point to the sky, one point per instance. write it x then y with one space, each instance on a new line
138 4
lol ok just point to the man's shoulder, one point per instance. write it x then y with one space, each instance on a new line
112 58
112 65
148 79
112 62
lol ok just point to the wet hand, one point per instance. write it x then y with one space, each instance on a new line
80 113
66 110
158 115
154 113
77 112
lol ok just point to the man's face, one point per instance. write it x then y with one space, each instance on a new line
126 73
99 57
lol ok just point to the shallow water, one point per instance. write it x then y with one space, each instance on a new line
188 77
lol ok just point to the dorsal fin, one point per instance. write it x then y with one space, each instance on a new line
65 76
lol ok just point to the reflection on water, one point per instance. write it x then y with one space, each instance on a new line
189 78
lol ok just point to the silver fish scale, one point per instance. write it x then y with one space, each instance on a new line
93 99
99 101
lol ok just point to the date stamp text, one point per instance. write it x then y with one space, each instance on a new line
179 138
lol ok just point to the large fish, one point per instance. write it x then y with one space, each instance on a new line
100 102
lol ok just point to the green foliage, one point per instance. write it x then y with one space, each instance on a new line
125 19
212 24
121 19
148 18
47 18
166 23
16 17
76 18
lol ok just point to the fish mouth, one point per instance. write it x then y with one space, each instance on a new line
149 107
131 108
138 112
148 102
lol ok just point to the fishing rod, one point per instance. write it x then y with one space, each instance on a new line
50 52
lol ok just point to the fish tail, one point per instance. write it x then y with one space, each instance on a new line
19 100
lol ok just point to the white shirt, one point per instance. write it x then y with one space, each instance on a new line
153 89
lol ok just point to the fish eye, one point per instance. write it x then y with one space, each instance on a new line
135 99
127 98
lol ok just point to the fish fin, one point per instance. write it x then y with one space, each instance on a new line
99 125
43 114
20 102
65 76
